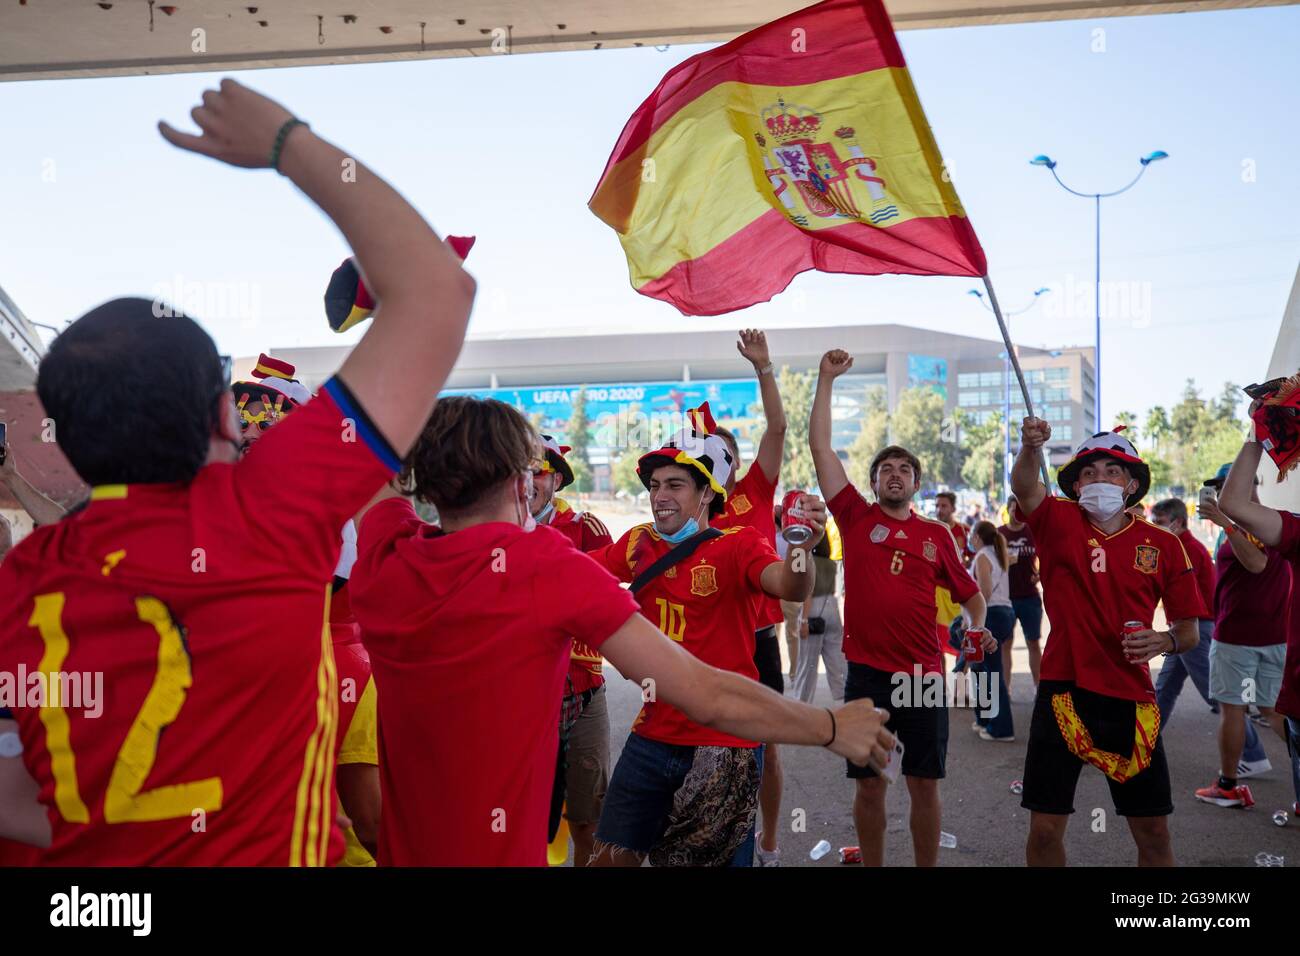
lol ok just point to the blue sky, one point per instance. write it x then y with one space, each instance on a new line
94 204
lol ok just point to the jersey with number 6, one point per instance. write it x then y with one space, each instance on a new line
195 715
891 570
707 602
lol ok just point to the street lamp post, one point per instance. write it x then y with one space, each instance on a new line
1006 383
1050 163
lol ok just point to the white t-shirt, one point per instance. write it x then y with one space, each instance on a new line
1000 595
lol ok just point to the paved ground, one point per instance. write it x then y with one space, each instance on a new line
986 818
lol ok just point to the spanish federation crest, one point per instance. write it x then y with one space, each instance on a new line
879 533
704 580
1148 559
812 178
930 551
740 504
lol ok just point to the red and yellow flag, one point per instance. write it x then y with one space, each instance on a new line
800 145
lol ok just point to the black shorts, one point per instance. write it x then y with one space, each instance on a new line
1052 772
923 730
767 658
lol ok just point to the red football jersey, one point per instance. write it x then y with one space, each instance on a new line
706 603
1288 699
891 569
750 504
1203 566
1094 583
203 607
586 533
469 635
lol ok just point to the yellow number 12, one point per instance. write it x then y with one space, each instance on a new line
123 801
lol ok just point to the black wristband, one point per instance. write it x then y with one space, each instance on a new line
834 731
1173 642
280 137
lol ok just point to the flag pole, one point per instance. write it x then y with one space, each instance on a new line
1015 364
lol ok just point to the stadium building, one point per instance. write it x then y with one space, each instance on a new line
630 384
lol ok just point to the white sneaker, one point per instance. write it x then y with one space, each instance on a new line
977 726
1252 768
985 735
766 857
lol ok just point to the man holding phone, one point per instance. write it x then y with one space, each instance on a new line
42 509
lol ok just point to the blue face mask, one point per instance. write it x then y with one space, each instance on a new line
691 527
545 515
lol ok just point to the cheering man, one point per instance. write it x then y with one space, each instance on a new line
682 792
893 561
215 743
1101 568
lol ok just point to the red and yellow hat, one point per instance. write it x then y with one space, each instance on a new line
554 461
348 301
274 386
1109 444
695 446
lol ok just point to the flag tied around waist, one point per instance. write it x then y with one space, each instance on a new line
799 145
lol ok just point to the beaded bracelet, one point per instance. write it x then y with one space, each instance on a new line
280 137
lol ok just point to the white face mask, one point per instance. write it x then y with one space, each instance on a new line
1102 500
527 522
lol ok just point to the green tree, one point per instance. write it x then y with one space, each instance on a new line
624 472
797 469
1157 426
982 468
921 424
873 435
1127 419
1224 408
579 438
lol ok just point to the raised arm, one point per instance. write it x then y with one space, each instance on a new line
771 449
41 509
1250 557
1029 491
1235 499
424 295
737 705
831 477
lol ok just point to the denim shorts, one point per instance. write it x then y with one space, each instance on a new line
640 796
1029 612
1241 674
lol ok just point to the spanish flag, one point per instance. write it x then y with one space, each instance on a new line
800 145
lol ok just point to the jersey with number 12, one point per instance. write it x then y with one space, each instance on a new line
200 609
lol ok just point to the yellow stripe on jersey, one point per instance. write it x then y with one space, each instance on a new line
47 618
307 806
107 492
325 765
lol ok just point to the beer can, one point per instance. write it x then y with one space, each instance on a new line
1131 627
795 526
850 854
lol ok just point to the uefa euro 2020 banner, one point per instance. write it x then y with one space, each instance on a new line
633 415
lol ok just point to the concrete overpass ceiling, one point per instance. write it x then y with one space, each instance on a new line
48 39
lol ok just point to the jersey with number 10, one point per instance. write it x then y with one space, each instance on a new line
200 611
708 603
